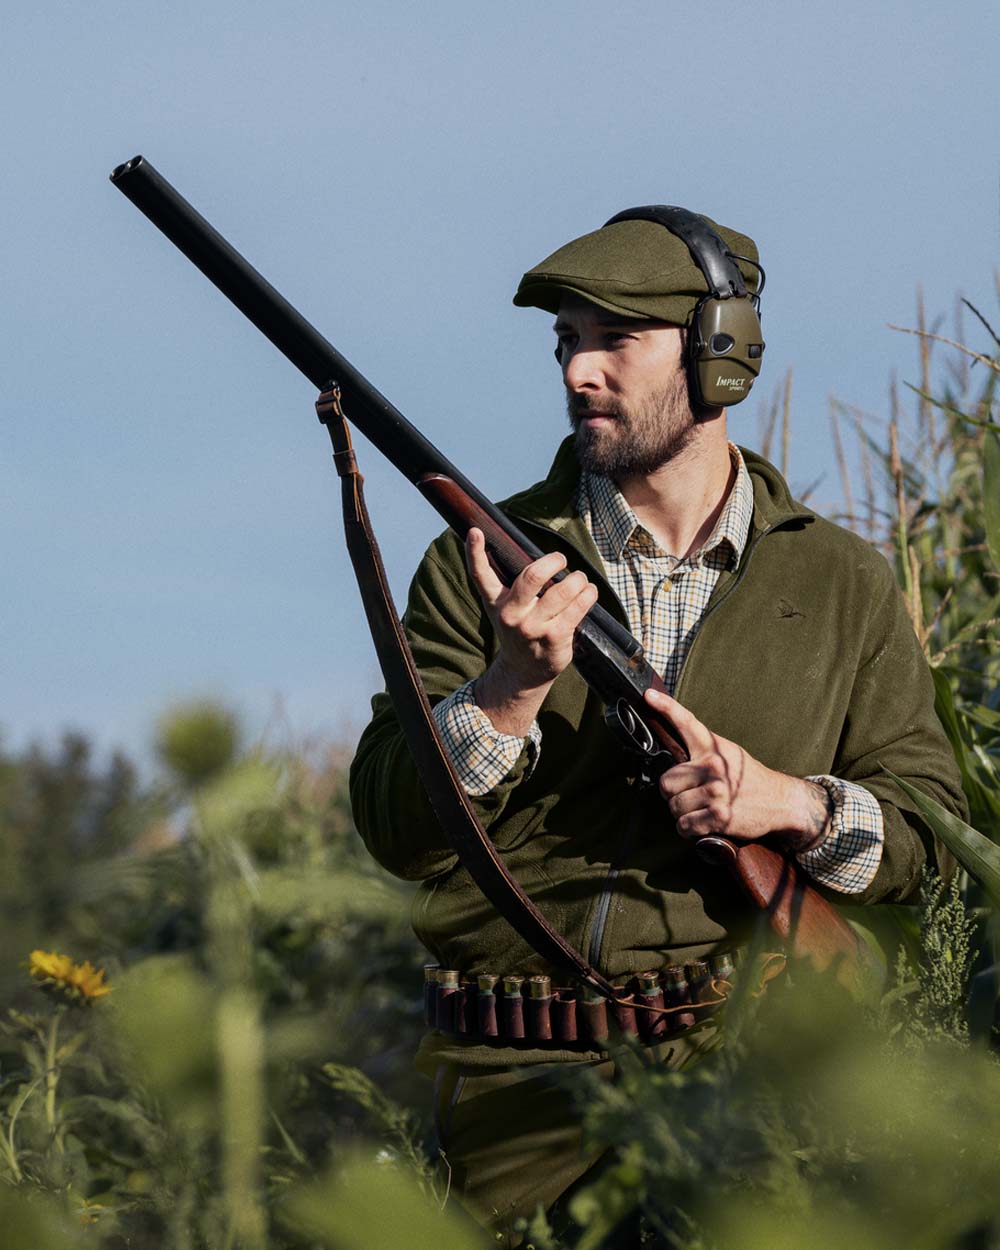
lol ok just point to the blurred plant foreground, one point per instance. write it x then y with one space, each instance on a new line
210 992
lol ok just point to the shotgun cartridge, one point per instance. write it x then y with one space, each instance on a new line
447 982
512 1006
430 994
486 1005
539 1007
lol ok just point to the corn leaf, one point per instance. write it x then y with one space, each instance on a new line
977 779
944 705
991 494
974 851
951 410
975 623
984 716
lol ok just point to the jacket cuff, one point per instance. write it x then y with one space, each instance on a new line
482 756
849 856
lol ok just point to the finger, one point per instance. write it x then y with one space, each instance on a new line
697 737
480 570
528 584
684 777
698 824
571 616
701 798
563 595
551 626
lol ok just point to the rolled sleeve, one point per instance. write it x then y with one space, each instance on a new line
849 856
482 756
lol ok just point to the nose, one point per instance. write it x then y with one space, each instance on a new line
582 370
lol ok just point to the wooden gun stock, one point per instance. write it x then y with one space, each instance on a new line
810 928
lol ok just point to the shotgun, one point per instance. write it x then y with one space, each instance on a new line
609 659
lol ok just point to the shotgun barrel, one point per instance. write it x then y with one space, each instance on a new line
301 343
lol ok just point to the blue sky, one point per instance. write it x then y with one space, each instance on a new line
171 523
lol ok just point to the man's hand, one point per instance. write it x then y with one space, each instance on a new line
535 632
723 789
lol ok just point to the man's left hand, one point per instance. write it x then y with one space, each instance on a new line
722 789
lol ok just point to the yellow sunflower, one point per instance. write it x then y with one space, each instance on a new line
82 982
45 964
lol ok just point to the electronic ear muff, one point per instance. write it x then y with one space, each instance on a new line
725 344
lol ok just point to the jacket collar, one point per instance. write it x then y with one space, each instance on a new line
550 502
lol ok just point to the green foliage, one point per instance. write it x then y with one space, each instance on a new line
370 1202
929 1000
818 1123
991 495
398 1125
248 939
197 741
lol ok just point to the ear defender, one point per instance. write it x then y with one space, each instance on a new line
725 345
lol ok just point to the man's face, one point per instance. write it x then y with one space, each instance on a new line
626 390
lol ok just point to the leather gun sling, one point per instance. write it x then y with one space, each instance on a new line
444 790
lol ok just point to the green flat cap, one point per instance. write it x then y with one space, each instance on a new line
637 268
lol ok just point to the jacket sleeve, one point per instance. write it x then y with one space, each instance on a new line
892 724
452 642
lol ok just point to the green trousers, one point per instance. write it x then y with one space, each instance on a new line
511 1137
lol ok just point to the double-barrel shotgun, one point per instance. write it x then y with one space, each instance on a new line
609 659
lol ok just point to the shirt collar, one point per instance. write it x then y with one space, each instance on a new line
614 525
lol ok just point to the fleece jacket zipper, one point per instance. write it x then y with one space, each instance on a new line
599 923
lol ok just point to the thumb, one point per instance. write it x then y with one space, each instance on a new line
480 570
696 736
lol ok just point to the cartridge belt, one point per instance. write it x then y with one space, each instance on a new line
513 1009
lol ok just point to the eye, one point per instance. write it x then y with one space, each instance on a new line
564 342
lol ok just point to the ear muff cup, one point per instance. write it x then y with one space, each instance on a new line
725 347
725 344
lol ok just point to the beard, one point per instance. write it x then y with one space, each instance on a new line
643 435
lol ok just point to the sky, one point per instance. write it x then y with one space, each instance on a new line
171 517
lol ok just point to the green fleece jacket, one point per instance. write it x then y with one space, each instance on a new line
806 657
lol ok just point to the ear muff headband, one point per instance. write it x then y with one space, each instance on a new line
707 247
725 345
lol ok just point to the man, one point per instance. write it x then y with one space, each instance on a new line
794 674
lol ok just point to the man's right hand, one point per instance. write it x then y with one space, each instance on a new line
535 632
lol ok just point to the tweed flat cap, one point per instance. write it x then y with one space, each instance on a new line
637 268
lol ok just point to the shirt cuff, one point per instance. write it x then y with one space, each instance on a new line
482 756
849 856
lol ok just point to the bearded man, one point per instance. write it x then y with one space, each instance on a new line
795 681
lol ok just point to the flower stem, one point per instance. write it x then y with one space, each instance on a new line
52 1079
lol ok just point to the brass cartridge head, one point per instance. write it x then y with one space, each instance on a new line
722 967
700 980
540 987
512 985
675 984
648 982
448 977
487 982
431 972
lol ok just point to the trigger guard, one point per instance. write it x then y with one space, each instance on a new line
637 737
